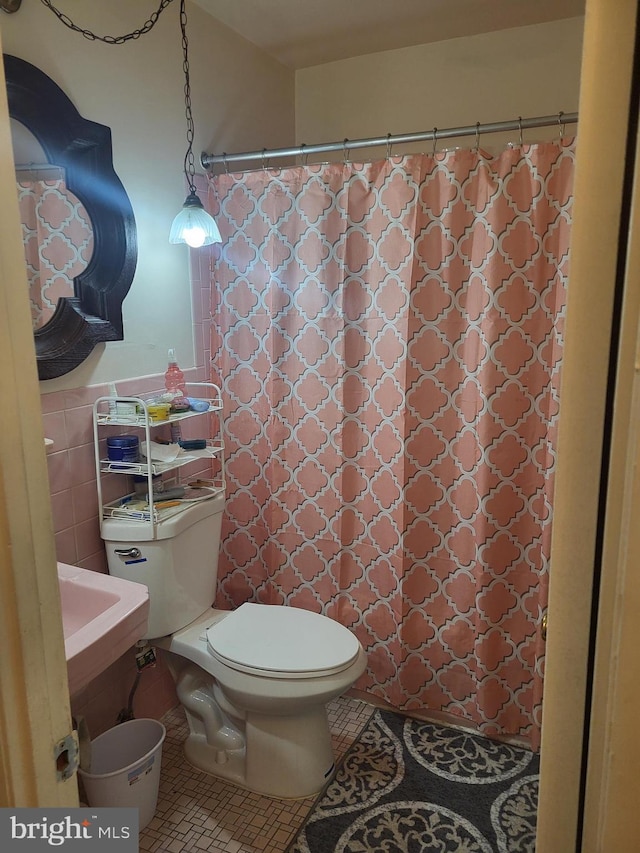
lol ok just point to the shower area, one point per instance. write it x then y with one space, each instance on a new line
388 336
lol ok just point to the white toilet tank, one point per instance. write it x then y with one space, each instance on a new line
179 565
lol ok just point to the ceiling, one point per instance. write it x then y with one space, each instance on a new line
300 33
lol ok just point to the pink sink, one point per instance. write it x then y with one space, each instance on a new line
102 617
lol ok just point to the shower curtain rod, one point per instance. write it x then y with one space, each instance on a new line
348 145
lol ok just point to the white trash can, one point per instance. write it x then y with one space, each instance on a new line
125 768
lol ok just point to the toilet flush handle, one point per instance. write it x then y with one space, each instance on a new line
128 553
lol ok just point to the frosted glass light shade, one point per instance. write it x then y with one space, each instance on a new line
194 226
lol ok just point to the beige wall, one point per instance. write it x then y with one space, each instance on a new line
241 98
244 100
527 71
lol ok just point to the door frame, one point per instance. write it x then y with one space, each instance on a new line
35 718
586 691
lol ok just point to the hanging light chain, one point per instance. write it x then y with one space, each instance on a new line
189 162
148 25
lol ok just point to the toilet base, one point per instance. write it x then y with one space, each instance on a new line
288 757
269 734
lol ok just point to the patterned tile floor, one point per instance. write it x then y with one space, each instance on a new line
198 812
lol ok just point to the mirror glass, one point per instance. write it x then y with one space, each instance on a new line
56 229
88 248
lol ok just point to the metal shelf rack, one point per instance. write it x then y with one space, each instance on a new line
149 507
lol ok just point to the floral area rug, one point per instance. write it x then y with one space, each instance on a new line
408 786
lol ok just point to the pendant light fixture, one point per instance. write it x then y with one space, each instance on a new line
193 225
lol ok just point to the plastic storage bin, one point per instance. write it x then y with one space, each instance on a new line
123 448
125 768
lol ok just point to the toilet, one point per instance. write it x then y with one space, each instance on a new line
254 682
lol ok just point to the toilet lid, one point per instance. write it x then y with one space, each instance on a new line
275 640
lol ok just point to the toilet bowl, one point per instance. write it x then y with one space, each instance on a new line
254 681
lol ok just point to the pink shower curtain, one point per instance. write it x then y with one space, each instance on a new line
389 339
58 241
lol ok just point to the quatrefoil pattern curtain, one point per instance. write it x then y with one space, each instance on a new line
389 340
58 241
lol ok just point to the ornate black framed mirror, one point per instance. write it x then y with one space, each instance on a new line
82 149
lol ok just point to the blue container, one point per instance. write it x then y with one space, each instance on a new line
198 405
123 448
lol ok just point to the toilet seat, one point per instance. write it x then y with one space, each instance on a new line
277 641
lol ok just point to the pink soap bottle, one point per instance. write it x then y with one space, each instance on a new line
174 377
174 383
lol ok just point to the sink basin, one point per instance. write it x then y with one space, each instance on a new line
102 617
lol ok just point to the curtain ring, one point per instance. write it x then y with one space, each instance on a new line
477 148
224 160
388 146
435 141
561 126
345 149
520 130
265 164
305 155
